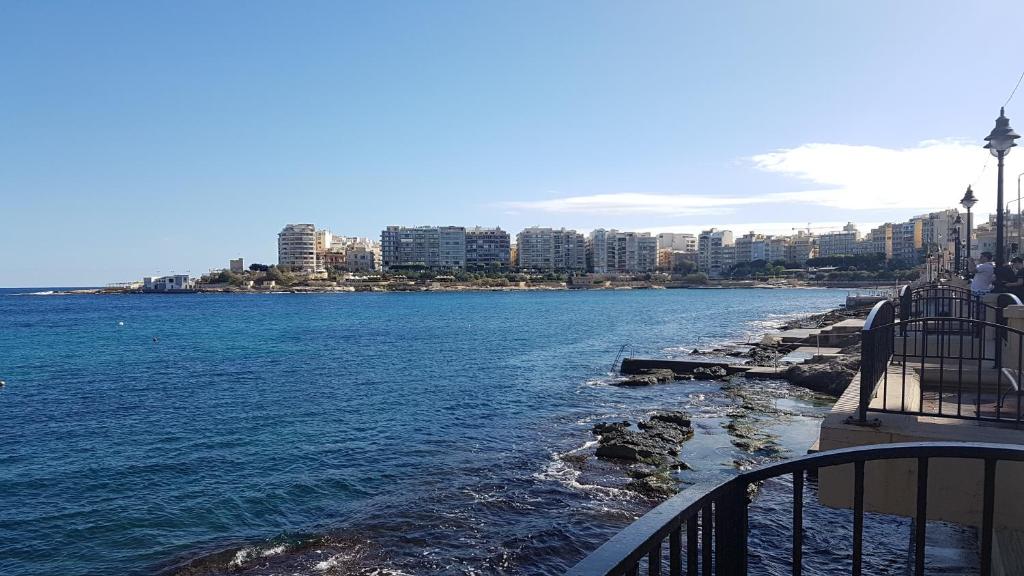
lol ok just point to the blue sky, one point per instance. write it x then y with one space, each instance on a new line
139 137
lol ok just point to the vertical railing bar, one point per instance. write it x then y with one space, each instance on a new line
691 546
798 522
654 560
675 552
987 514
1020 373
960 369
858 515
942 359
981 360
920 388
707 553
921 519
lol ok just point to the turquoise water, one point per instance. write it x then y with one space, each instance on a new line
343 433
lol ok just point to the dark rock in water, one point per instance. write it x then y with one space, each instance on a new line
831 377
650 377
660 374
635 447
710 372
608 427
681 419
763 356
636 381
656 486
657 443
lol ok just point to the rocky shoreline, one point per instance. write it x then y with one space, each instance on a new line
648 452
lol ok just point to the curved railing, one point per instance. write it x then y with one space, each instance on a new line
949 366
714 521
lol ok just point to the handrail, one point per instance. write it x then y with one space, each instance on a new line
623 553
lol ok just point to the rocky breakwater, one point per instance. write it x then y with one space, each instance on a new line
650 452
828 374
653 376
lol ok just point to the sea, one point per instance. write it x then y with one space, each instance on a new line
369 433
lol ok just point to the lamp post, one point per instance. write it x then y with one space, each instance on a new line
968 201
1000 140
956 243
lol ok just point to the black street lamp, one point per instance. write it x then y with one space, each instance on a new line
968 201
1000 140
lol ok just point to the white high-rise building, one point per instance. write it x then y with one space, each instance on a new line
551 250
677 241
296 248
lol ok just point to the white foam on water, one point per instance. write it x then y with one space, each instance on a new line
272 551
559 471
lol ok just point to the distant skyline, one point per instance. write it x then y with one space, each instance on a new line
144 138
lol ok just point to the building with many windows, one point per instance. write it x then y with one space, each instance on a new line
488 248
716 252
842 243
548 249
677 241
434 247
611 251
296 248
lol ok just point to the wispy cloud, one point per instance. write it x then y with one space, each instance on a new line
928 176
637 203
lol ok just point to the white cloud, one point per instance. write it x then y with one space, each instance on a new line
929 176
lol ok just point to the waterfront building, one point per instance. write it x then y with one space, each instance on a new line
434 247
907 242
843 243
612 251
597 251
488 248
297 248
800 247
236 266
172 283
749 247
677 241
676 261
360 259
715 252
548 249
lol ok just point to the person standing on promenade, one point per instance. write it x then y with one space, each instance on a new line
981 284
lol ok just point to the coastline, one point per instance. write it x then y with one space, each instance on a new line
445 287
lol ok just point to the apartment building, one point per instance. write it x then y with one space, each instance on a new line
488 248
548 249
434 247
296 248
842 243
677 241
612 251
715 251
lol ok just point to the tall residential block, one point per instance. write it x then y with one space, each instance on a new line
296 248
488 248
677 241
716 251
621 252
547 249
434 247
843 243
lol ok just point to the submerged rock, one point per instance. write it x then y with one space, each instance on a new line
658 486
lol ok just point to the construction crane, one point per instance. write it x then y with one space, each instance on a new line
809 227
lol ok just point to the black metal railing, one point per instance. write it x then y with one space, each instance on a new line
705 531
943 300
959 366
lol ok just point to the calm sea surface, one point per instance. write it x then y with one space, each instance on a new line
351 433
